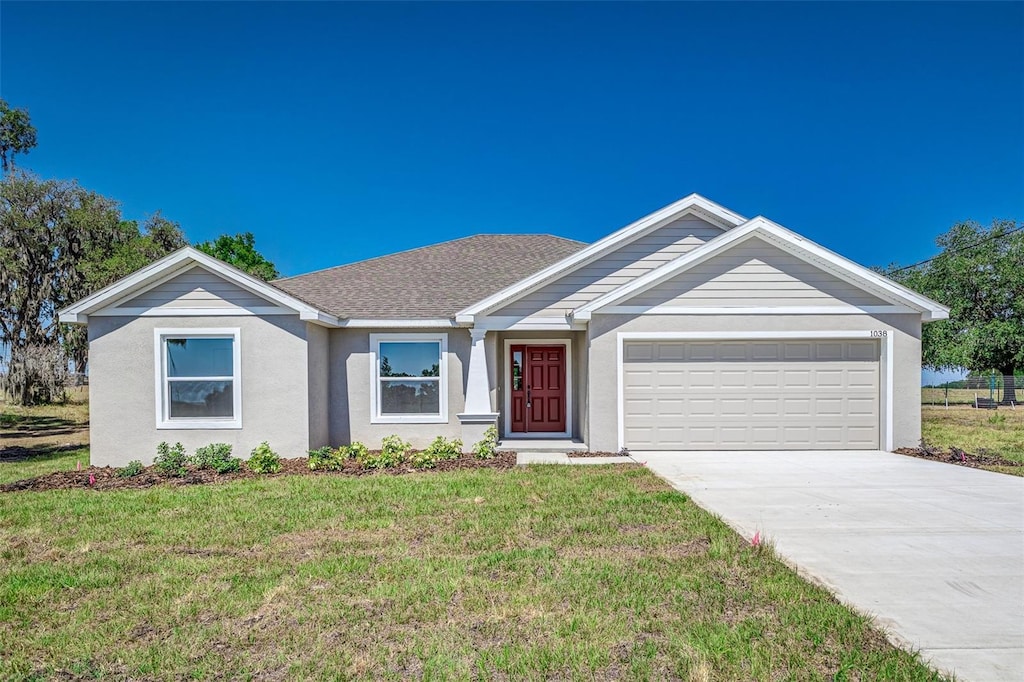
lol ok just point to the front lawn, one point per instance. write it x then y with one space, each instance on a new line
569 572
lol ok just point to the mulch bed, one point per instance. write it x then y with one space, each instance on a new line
106 478
958 456
598 453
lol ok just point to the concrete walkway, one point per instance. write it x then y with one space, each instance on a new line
934 551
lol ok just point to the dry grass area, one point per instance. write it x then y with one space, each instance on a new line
996 431
46 427
40 439
541 573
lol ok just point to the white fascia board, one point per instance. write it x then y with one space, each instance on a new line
790 242
424 323
172 264
854 273
694 203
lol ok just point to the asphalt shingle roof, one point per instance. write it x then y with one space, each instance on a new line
429 282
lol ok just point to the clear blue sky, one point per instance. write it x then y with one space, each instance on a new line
336 132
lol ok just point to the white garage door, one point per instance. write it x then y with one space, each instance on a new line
751 395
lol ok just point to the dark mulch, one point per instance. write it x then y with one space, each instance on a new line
958 456
106 478
596 453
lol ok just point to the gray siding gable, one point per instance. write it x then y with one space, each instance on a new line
196 287
754 273
613 270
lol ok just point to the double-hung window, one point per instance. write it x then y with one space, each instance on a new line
198 379
409 374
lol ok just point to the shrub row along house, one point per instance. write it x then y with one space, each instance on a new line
693 328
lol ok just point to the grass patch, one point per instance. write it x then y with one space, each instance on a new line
568 572
17 467
999 431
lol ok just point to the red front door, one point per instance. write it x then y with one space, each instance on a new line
538 389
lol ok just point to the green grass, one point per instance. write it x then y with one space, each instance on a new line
31 465
568 572
1000 431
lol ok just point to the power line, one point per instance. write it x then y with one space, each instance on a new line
966 248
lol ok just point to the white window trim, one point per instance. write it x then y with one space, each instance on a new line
160 335
375 415
884 335
540 435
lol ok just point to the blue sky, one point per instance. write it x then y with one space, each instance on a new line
336 132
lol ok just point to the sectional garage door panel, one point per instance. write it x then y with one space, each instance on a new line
751 395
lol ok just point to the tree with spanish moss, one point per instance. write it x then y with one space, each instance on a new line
17 134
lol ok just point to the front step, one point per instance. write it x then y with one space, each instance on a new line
545 445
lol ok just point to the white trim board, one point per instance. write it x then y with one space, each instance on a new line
507 388
693 204
788 241
780 310
885 336
513 323
166 311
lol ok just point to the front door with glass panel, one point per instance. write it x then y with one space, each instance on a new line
538 389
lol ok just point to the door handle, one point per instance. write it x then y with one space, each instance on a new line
528 400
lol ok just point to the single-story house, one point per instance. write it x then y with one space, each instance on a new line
693 328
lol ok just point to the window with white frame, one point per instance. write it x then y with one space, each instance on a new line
198 379
409 375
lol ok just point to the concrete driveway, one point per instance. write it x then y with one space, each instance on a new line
934 551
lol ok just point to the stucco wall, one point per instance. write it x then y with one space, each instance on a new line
602 424
350 374
122 391
318 378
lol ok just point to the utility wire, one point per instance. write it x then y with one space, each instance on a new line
966 248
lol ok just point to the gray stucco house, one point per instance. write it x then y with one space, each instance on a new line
693 328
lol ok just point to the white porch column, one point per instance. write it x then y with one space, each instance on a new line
478 414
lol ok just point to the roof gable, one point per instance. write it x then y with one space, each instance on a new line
610 271
753 273
863 279
693 204
181 262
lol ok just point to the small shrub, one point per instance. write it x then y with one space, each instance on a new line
132 468
227 466
393 451
356 451
325 458
216 456
423 459
263 460
171 461
443 449
488 447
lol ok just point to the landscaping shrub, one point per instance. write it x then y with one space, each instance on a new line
356 451
171 460
216 456
488 447
325 458
393 451
445 449
132 468
423 459
263 460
